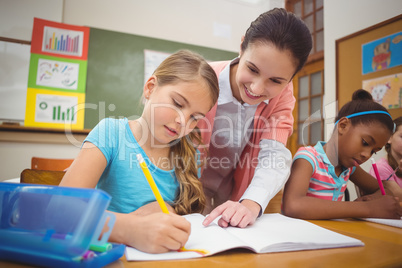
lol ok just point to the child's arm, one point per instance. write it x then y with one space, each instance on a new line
86 169
297 204
393 188
151 232
369 185
366 183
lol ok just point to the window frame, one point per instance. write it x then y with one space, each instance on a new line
314 55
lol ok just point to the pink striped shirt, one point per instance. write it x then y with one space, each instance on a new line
324 183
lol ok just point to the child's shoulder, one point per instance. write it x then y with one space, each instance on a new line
307 149
109 126
115 120
308 153
112 122
384 167
383 161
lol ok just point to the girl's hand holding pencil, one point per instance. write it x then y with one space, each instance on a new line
164 208
385 207
156 232
171 231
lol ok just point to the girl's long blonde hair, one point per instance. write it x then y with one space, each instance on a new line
187 66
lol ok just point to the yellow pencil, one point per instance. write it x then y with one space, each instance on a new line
151 182
159 198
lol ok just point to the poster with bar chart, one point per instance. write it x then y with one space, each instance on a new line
54 108
51 110
62 41
59 39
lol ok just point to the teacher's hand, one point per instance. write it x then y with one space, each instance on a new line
234 214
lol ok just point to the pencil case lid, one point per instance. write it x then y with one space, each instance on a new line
52 221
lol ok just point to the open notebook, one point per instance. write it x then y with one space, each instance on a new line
270 233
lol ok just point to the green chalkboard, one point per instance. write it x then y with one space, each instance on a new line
115 74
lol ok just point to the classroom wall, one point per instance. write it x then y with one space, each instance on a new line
16 16
188 21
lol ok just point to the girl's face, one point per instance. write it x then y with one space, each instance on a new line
172 111
396 143
262 73
356 144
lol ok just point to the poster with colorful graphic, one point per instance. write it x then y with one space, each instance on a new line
57 73
386 90
382 53
57 76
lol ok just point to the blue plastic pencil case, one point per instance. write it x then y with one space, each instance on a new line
55 226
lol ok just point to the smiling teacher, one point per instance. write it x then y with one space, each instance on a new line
247 130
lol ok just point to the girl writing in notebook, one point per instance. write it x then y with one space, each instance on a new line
246 132
319 174
178 94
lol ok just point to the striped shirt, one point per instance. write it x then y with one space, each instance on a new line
324 183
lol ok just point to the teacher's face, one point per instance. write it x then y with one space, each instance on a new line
262 73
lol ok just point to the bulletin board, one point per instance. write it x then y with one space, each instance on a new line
115 75
349 58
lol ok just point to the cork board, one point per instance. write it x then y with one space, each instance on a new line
349 74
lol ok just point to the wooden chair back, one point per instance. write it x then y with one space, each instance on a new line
274 206
40 163
49 177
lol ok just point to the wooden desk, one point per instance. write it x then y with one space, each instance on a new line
383 248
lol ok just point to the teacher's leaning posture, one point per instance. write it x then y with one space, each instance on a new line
245 133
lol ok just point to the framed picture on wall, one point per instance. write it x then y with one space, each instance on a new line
351 63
